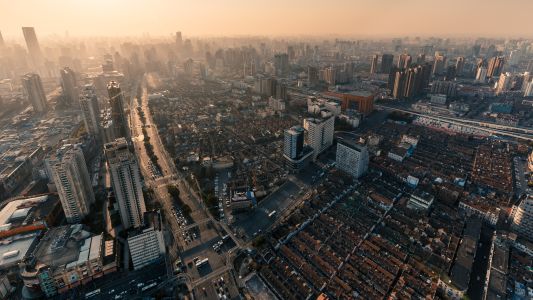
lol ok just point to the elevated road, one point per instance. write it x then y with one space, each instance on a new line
491 128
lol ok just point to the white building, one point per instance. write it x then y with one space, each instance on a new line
319 133
146 247
522 217
73 183
90 110
126 182
352 158
420 200
293 142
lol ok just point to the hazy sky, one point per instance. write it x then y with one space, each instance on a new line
272 17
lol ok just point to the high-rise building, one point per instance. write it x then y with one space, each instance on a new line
386 63
352 158
515 57
294 142
281 64
421 59
179 39
312 75
404 61
528 90
2 43
407 83
319 133
90 110
69 85
146 247
495 66
459 65
33 46
439 64
504 82
116 101
73 183
522 216
33 87
481 74
374 64
126 182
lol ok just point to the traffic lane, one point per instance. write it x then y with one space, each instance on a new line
252 221
116 283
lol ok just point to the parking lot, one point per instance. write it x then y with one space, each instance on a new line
219 287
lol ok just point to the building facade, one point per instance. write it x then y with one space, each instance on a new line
146 247
319 133
33 87
126 182
352 158
73 183
90 110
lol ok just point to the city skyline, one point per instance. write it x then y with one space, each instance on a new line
361 18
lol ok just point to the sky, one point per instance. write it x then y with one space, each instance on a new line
350 18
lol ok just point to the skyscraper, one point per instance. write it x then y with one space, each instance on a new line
404 61
374 64
126 182
439 64
495 66
33 87
459 65
352 158
33 46
293 142
312 75
179 40
69 85
281 64
116 101
386 63
72 181
2 43
319 133
90 110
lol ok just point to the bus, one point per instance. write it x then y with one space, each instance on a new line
92 294
202 262
147 287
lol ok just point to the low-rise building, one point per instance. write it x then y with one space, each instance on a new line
420 200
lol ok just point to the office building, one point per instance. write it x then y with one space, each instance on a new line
293 142
522 218
495 66
374 64
319 133
32 44
116 101
33 88
90 110
126 182
352 158
295 152
386 63
73 183
146 246
69 86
